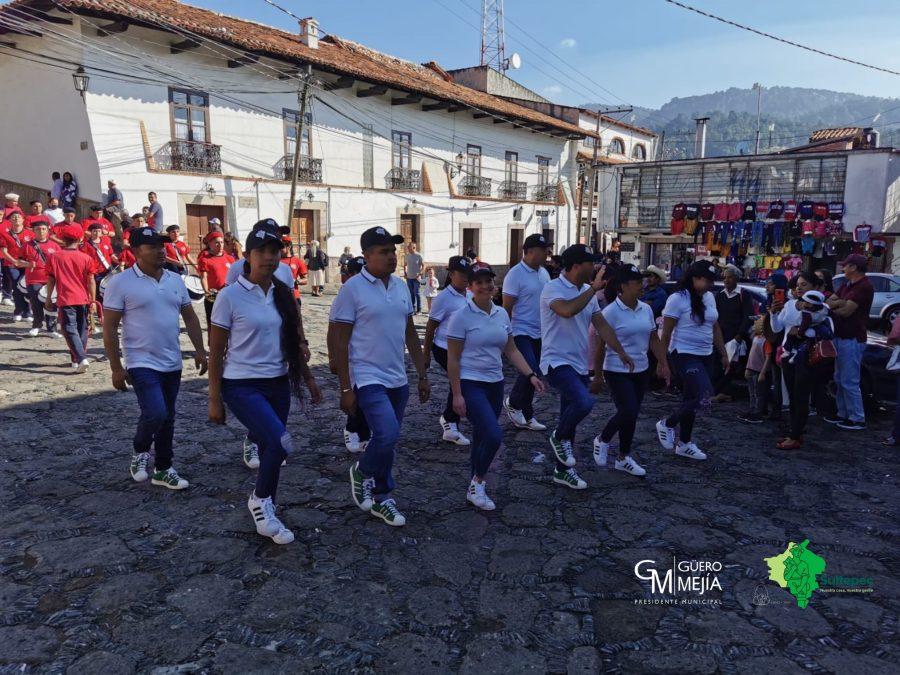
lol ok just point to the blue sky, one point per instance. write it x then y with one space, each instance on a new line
642 52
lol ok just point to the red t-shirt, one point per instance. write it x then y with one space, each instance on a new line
72 270
40 218
104 246
854 326
216 268
107 226
14 243
126 258
173 249
298 269
38 275
55 230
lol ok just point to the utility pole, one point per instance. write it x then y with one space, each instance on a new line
758 87
589 229
662 145
302 96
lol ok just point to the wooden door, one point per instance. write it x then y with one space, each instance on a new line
409 229
471 240
516 239
303 228
198 216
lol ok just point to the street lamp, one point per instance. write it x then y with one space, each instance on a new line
455 171
81 80
758 87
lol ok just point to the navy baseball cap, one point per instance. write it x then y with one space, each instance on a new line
263 233
378 236
535 241
459 263
628 273
703 268
146 235
480 270
580 253
355 265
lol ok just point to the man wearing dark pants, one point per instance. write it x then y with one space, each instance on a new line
373 323
568 307
522 287
13 242
147 300
735 311
37 255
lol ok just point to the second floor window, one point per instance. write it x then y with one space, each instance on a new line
473 160
511 169
543 169
617 147
190 115
401 149
639 152
291 123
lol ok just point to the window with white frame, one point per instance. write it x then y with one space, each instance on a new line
401 149
291 123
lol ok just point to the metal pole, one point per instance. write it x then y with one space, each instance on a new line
589 229
302 95
758 110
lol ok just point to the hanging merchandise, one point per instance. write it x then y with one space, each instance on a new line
679 211
778 234
690 226
836 210
830 247
790 210
709 234
762 209
692 212
756 233
877 246
796 246
776 209
820 211
677 226
720 212
807 228
707 210
822 228
807 244
795 229
835 228
805 209
735 211
749 210
861 233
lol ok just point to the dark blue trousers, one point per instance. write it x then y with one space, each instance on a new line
383 409
156 393
483 403
521 396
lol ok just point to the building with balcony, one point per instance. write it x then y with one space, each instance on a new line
203 109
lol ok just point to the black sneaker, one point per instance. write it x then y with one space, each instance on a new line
850 425
750 418
832 419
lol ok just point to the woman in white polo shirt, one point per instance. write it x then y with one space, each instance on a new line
256 321
477 337
445 305
633 322
690 331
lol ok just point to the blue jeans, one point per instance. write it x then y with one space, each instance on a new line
483 403
73 320
262 405
40 316
156 394
383 409
696 388
846 379
413 285
20 300
521 396
627 391
575 401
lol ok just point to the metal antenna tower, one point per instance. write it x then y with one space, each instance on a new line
493 50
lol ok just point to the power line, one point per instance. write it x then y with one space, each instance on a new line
781 39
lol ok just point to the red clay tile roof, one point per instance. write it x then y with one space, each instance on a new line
834 133
333 54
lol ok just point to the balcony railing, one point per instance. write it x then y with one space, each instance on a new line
409 180
192 156
544 193
513 189
310 170
475 186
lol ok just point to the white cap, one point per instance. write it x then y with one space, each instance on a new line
653 269
215 221
814 298
12 196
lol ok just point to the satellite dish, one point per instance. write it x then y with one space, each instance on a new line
515 61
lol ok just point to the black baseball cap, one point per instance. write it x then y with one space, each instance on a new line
628 273
96 207
172 228
480 270
146 236
378 236
264 232
703 268
355 265
535 241
69 209
459 263
266 222
580 253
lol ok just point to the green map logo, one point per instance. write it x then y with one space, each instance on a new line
797 570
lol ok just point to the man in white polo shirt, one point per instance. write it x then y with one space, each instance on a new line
148 299
372 316
522 287
568 307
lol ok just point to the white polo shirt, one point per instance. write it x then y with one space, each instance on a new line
633 328
445 305
484 335
254 340
150 312
282 273
565 341
689 336
379 316
526 284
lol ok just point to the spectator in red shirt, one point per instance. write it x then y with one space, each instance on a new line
98 247
212 265
12 205
68 219
178 253
850 307
97 217
37 215
70 275
12 243
37 255
298 267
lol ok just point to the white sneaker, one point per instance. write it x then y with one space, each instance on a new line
54 334
534 425
8 302
570 479
351 440
169 478
477 496
517 417
83 366
666 435
34 332
251 453
138 466
628 465
452 433
267 523
601 451
689 450
17 317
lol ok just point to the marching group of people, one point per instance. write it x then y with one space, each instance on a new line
592 326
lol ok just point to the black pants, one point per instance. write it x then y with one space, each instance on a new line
627 391
207 307
803 380
38 316
356 424
440 355
693 371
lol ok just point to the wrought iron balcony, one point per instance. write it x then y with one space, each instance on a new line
544 193
514 190
192 156
475 186
409 180
310 170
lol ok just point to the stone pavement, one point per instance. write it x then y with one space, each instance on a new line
102 575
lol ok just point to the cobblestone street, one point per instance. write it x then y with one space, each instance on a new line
103 575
